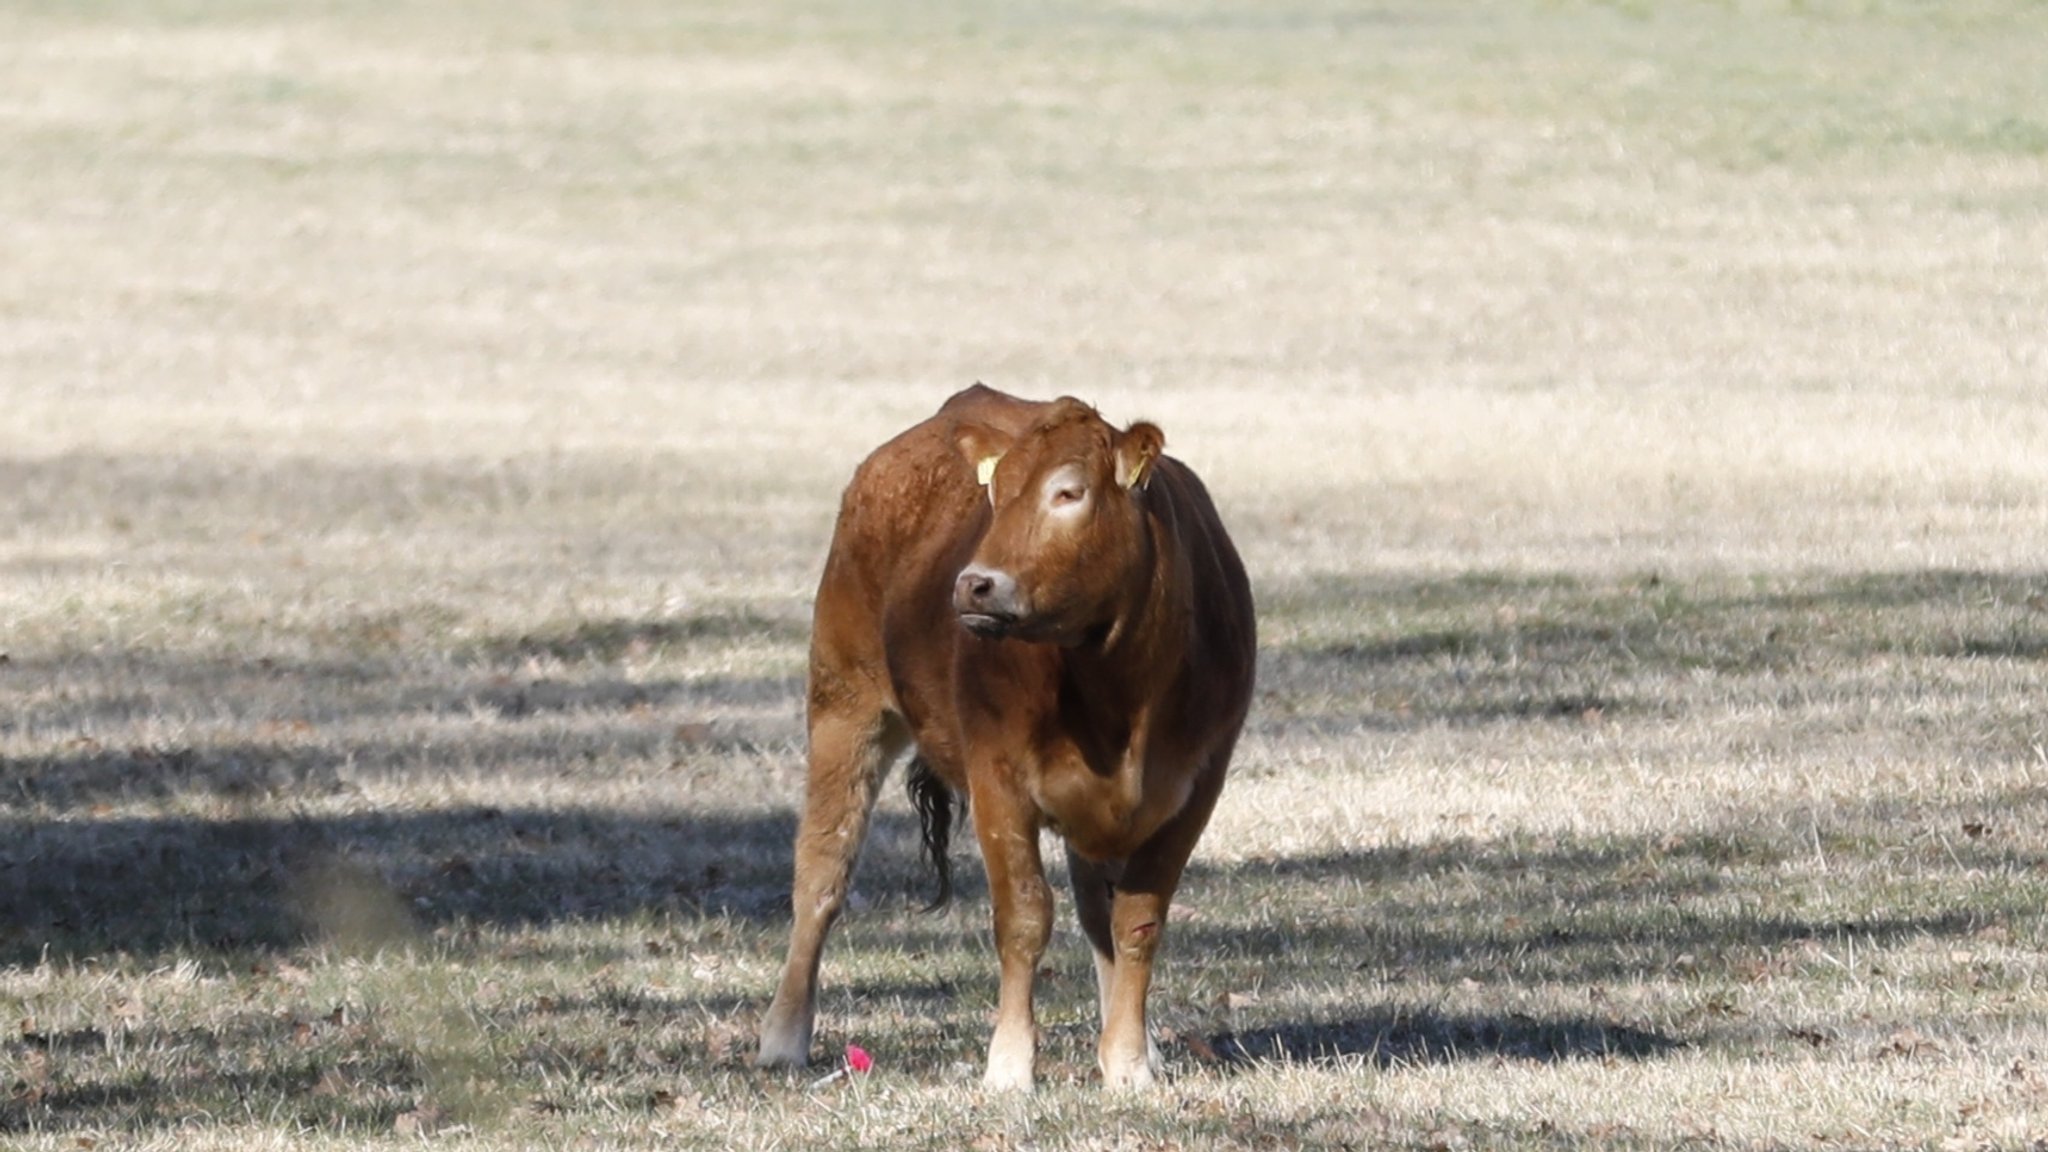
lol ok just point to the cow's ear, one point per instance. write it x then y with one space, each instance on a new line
982 446
1136 449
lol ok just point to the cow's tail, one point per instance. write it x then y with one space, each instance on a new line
935 806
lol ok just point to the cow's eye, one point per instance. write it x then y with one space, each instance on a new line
1068 494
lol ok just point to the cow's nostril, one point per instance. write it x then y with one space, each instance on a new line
984 591
976 584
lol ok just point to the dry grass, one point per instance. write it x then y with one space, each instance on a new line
422 423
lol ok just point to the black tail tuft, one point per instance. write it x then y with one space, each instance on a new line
934 804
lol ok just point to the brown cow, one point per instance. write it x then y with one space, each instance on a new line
1050 612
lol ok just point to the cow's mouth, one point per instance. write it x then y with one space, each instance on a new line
989 625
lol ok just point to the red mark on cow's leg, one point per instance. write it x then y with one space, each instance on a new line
1145 931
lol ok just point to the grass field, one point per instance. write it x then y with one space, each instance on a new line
420 426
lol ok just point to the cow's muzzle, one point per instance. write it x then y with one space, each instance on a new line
987 601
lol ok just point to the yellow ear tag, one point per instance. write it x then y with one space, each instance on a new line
986 470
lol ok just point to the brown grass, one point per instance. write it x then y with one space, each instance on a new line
420 427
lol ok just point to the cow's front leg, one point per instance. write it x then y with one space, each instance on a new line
1008 832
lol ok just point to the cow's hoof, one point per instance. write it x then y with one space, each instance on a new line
1124 1069
996 1081
783 1048
1012 1058
1134 1077
1008 1075
781 1058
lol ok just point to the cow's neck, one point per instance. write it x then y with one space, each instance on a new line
1123 675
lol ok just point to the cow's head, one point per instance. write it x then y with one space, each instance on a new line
1066 534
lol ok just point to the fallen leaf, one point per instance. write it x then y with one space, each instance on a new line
1444 1140
1908 1042
35 1077
421 1121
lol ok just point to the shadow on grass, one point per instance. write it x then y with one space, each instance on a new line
226 867
79 882
1487 649
1612 909
1572 912
152 886
75 882
1394 1037
299 767
321 1084
151 889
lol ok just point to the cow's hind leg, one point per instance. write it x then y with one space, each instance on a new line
1094 888
1092 884
848 755
1137 922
